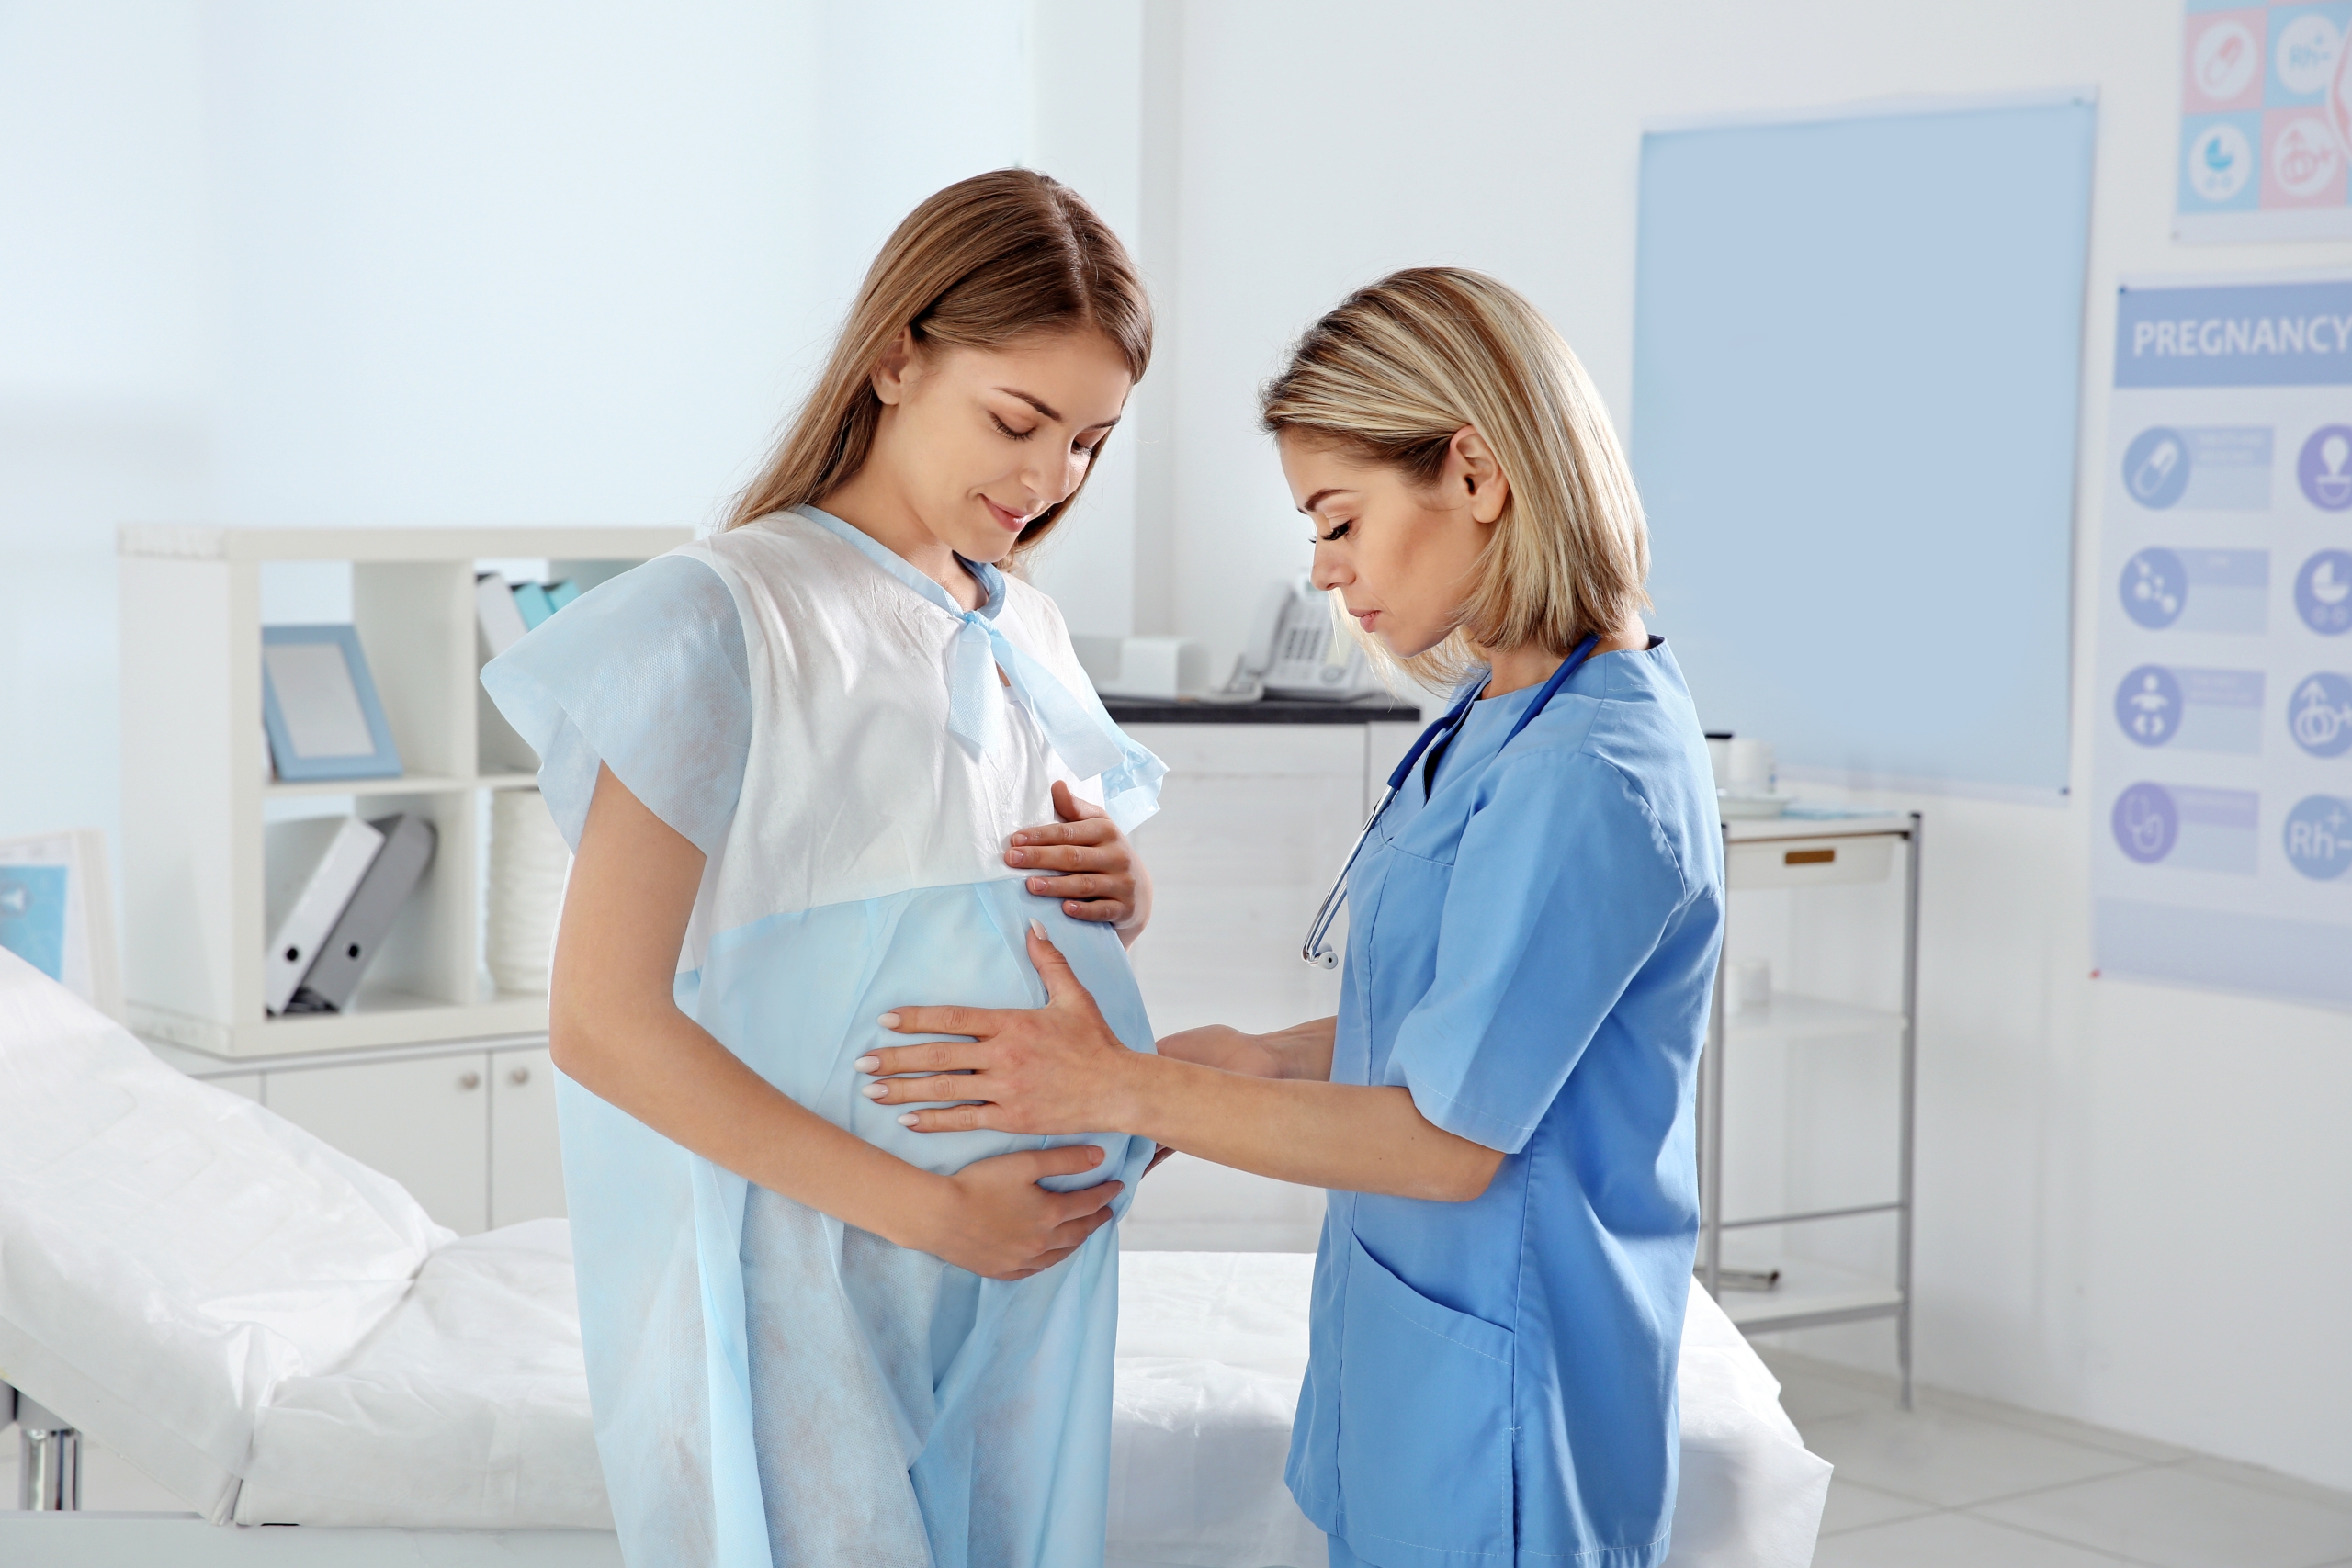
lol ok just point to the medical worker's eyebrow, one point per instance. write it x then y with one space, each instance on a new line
1048 408
1319 497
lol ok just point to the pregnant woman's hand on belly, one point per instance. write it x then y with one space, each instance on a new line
1000 1225
1088 863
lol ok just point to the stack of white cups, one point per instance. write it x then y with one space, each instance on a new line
1750 765
529 865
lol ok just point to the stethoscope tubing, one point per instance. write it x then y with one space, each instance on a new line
1316 950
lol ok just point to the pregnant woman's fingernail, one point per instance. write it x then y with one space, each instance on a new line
866 1063
907 1120
1037 930
876 1092
888 1020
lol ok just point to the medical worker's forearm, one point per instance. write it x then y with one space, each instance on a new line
1348 1137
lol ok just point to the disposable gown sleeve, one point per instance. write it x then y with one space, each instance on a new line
1563 885
647 676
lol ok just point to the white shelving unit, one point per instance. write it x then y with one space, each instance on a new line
196 790
1793 854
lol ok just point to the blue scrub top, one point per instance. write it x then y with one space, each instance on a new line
1532 951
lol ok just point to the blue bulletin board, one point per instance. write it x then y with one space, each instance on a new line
1856 361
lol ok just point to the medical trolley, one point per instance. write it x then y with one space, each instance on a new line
1796 1195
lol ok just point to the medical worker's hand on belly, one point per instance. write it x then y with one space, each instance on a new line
1094 870
1049 1069
1059 1068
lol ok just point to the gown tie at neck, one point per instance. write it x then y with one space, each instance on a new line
1079 731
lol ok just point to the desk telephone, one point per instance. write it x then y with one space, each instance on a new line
1296 650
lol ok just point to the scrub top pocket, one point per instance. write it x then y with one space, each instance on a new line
1425 1421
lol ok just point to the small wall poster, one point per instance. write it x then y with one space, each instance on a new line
57 913
2265 122
2222 766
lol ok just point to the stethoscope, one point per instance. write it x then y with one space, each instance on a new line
1317 950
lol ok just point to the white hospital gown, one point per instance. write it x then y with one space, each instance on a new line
772 1388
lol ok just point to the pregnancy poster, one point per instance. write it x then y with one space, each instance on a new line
2265 122
2222 766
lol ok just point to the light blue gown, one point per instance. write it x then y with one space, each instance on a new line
772 1387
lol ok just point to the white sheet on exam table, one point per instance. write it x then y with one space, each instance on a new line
227 1302
1212 1348
170 1253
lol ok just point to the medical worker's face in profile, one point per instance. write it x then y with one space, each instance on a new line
974 442
1403 557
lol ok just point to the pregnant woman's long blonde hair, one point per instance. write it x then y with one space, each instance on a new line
986 262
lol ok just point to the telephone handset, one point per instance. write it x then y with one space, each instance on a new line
1296 651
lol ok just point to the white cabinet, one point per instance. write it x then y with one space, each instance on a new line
468 1129
422 1122
526 1160
1254 822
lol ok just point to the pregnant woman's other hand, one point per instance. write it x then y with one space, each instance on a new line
1000 1225
1086 862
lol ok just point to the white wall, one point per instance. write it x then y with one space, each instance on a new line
2131 1199
278 261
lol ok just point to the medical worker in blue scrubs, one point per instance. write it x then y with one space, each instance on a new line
1502 1109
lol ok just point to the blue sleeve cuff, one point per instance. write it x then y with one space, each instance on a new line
1465 1121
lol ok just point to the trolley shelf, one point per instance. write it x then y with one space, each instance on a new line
1789 1016
1812 1295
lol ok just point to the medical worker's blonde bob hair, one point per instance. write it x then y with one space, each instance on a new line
1397 368
990 261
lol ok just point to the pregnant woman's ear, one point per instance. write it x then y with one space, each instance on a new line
1088 862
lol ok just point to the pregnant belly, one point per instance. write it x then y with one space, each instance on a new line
796 995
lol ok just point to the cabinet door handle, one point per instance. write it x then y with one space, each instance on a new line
519 1076
468 1081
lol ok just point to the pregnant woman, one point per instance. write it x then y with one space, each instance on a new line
800 762
1502 1106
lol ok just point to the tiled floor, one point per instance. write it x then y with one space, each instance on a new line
1966 1483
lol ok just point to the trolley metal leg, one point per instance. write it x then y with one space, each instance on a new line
49 1461
1711 1145
1910 1102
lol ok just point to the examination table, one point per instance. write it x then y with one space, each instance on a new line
278 1335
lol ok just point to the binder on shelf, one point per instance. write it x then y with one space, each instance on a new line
562 593
344 956
501 622
531 599
312 867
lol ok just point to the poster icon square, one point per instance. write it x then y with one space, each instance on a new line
2224 68
2217 161
2323 592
